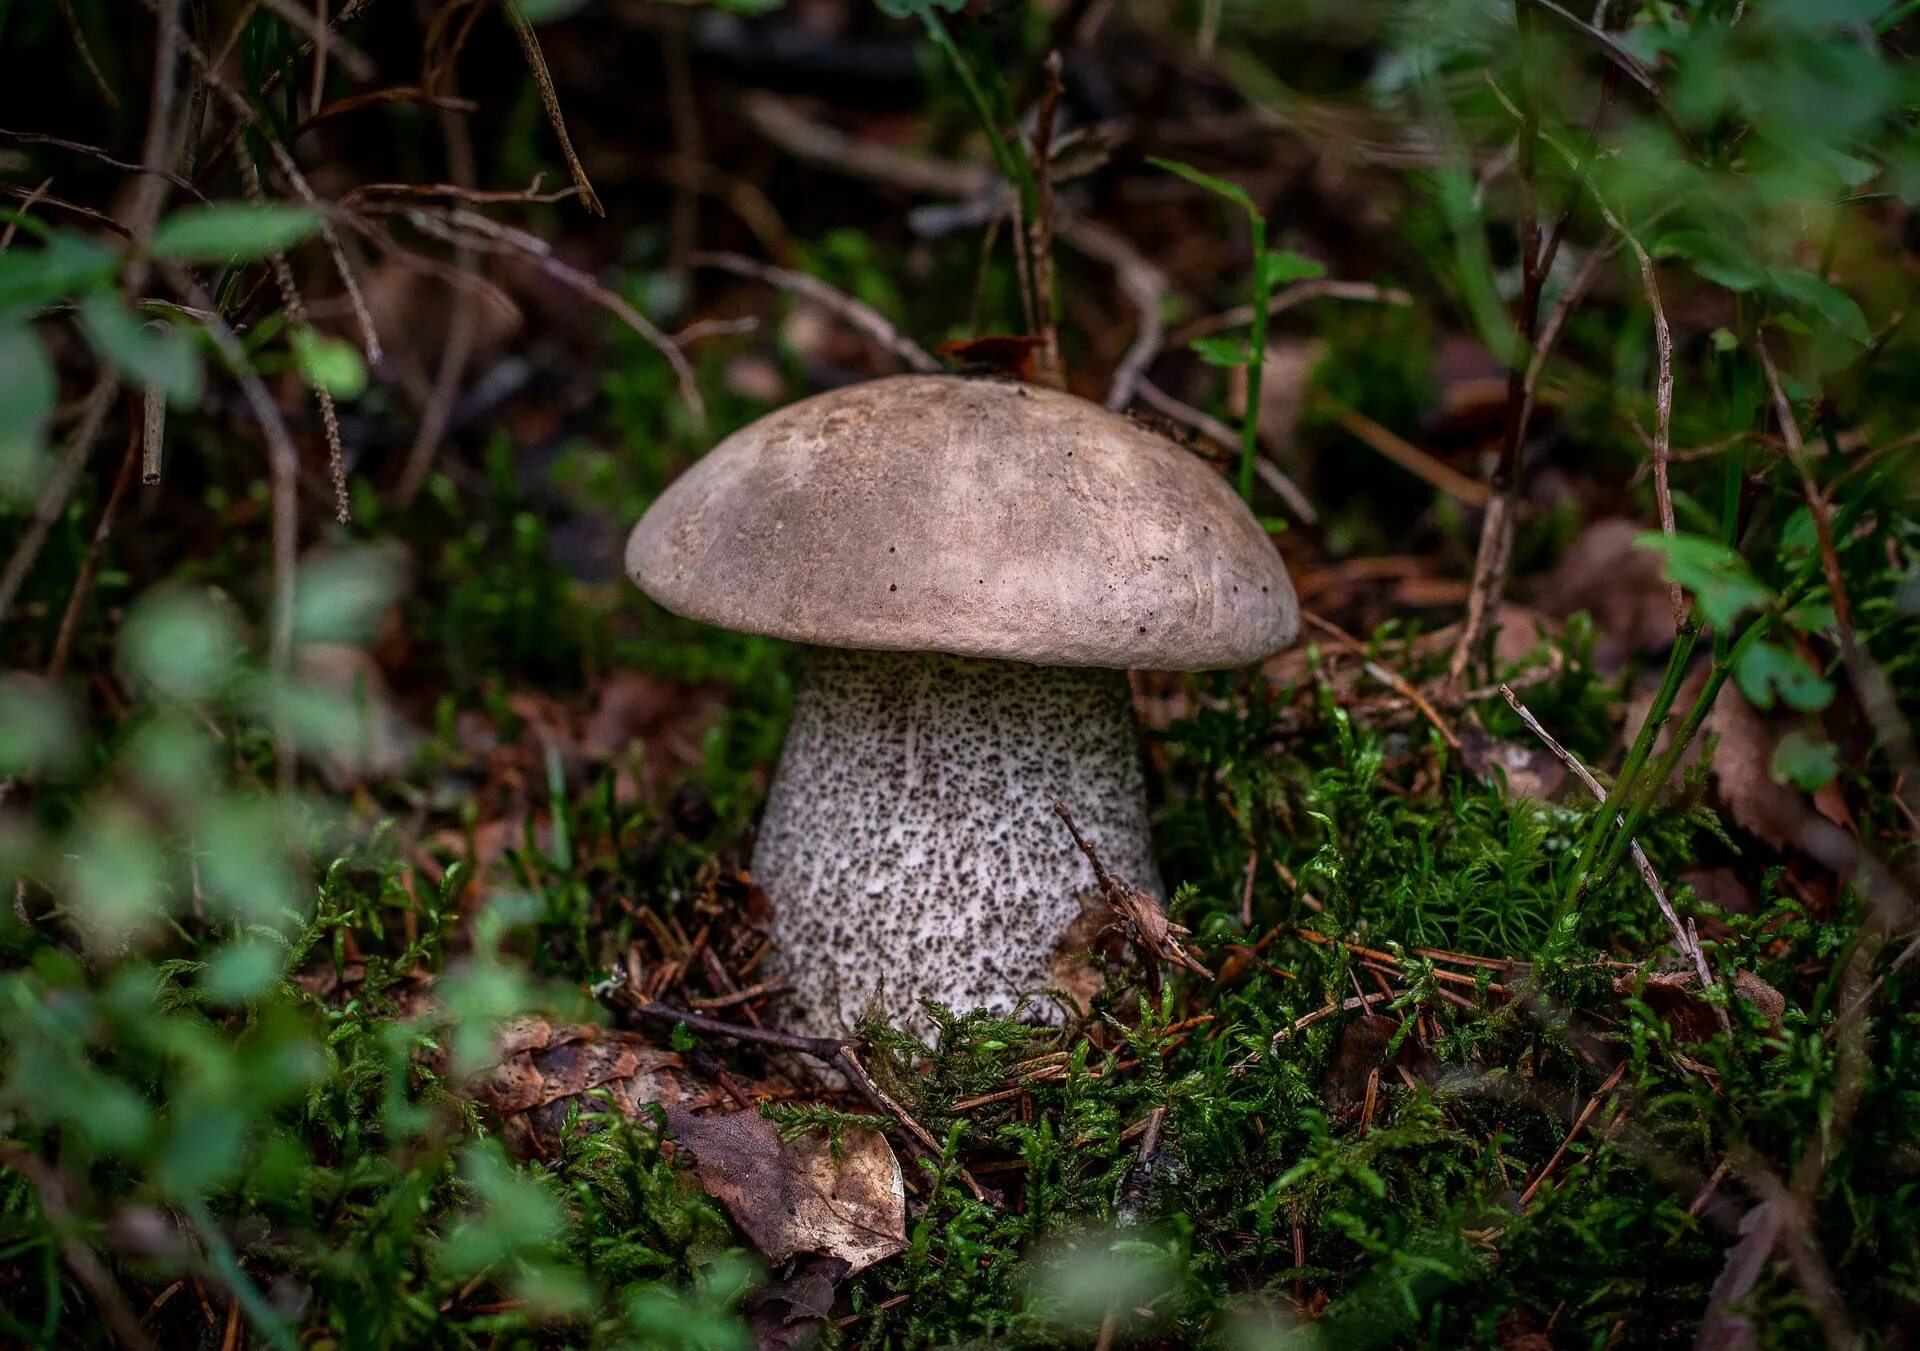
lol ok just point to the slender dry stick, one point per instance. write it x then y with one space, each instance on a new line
90 566
550 101
1869 682
246 116
296 308
1579 1124
1046 299
1398 683
835 1051
1683 933
86 54
1289 296
462 226
1227 438
283 476
458 348
58 487
857 313
81 1260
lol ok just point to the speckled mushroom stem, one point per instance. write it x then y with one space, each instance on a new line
909 847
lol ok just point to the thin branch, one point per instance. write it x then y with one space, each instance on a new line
95 153
1410 457
90 566
81 1260
1864 674
1046 295
1288 297
857 313
283 476
1579 1124
835 1051
1386 676
246 116
470 228
1684 936
86 54
1215 430
57 489
550 101
457 350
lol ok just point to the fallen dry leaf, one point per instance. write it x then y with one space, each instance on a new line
1530 771
793 1196
546 1067
1620 585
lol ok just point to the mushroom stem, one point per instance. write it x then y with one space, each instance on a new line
910 849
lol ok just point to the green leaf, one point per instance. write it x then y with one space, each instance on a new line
1767 671
1813 616
223 231
67 265
1223 351
26 407
1714 573
1233 192
1804 760
1714 256
1278 269
907 9
549 11
1802 288
328 363
151 354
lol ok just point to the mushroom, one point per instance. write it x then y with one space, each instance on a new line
976 565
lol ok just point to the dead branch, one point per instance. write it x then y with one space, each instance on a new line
1046 298
1217 431
58 487
550 101
856 312
459 227
1286 298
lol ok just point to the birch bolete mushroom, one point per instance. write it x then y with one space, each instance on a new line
976 564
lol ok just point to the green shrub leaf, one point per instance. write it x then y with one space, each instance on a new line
224 231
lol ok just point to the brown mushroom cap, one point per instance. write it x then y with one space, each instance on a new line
980 518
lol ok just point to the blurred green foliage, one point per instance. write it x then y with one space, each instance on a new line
236 1016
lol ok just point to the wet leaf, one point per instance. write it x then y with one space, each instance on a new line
793 1197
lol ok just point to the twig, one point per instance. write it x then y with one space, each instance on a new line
94 152
835 1051
31 200
58 487
458 348
1579 1124
550 101
81 1260
1868 680
86 54
1297 293
325 44
1662 405
1410 457
246 116
296 308
1215 430
857 313
1046 296
1683 933
283 476
461 226
1386 676
90 566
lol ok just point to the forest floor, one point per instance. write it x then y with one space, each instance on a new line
383 967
